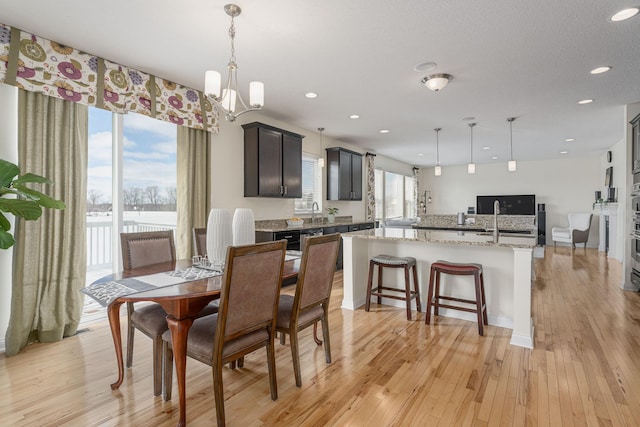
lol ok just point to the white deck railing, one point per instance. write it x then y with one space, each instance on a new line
99 239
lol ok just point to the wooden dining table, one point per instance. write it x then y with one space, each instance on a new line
182 302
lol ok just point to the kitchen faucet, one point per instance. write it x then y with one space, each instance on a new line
496 211
314 206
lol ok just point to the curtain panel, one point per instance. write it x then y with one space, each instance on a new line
371 187
193 186
39 65
49 257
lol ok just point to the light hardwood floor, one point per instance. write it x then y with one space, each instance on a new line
584 370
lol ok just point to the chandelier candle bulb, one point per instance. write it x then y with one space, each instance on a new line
256 94
212 81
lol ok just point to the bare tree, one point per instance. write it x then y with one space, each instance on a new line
94 197
153 195
133 196
171 195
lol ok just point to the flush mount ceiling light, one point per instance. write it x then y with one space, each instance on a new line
436 82
600 70
625 14
424 67
438 168
231 94
511 165
471 167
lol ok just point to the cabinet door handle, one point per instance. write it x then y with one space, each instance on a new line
286 190
288 237
281 189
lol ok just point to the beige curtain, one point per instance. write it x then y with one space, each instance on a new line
371 187
194 185
49 257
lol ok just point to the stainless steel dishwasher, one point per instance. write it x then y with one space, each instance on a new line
309 232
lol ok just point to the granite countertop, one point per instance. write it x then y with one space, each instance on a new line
273 226
463 238
513 223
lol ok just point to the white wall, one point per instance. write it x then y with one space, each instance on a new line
619 162
9 152
564 185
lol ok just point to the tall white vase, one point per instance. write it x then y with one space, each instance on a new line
244 227
219 235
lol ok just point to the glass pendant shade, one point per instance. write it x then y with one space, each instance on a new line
471 168
229 100
512 166
212 81
256 94
219 235
244 227
438 170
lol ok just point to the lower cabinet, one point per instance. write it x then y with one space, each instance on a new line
337 229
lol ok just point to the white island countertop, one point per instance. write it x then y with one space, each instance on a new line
471 238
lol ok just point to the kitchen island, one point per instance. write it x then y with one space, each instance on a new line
507 267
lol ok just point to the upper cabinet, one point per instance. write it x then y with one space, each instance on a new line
635 144
272 162
344 174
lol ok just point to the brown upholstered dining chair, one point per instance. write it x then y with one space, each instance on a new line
140 250
200 241
310 303
245 321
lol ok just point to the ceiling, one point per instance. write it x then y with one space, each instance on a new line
509 58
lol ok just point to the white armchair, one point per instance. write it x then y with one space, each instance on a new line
578 231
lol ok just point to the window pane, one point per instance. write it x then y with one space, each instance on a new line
379 194
311 185
409 197
149 173
393 195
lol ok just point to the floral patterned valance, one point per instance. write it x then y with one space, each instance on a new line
39 65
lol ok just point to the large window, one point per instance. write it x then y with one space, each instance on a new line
394 195
311 185
148 188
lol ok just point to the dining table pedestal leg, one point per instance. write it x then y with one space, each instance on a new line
179 333
114 324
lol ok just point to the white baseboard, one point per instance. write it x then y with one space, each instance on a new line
522 340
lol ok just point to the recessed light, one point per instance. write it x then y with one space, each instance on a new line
384 131
564 152
425 66
486 148
600 70
311 95
354 116
420 154
569 140
625 14
494 157
585 101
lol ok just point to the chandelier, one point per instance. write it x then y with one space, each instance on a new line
230 96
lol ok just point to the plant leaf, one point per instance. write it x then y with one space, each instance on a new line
7 172
6 240
40 198
27 209
4 223
30 177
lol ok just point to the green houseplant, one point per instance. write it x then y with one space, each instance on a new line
28 204
331 213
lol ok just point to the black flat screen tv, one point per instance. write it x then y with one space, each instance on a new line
509 205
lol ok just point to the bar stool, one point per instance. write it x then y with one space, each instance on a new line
388 261
433 299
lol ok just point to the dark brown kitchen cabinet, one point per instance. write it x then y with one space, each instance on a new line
272 162
635 144
344 174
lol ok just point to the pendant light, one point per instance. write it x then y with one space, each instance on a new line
321 159
471 167
511 166
438 168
